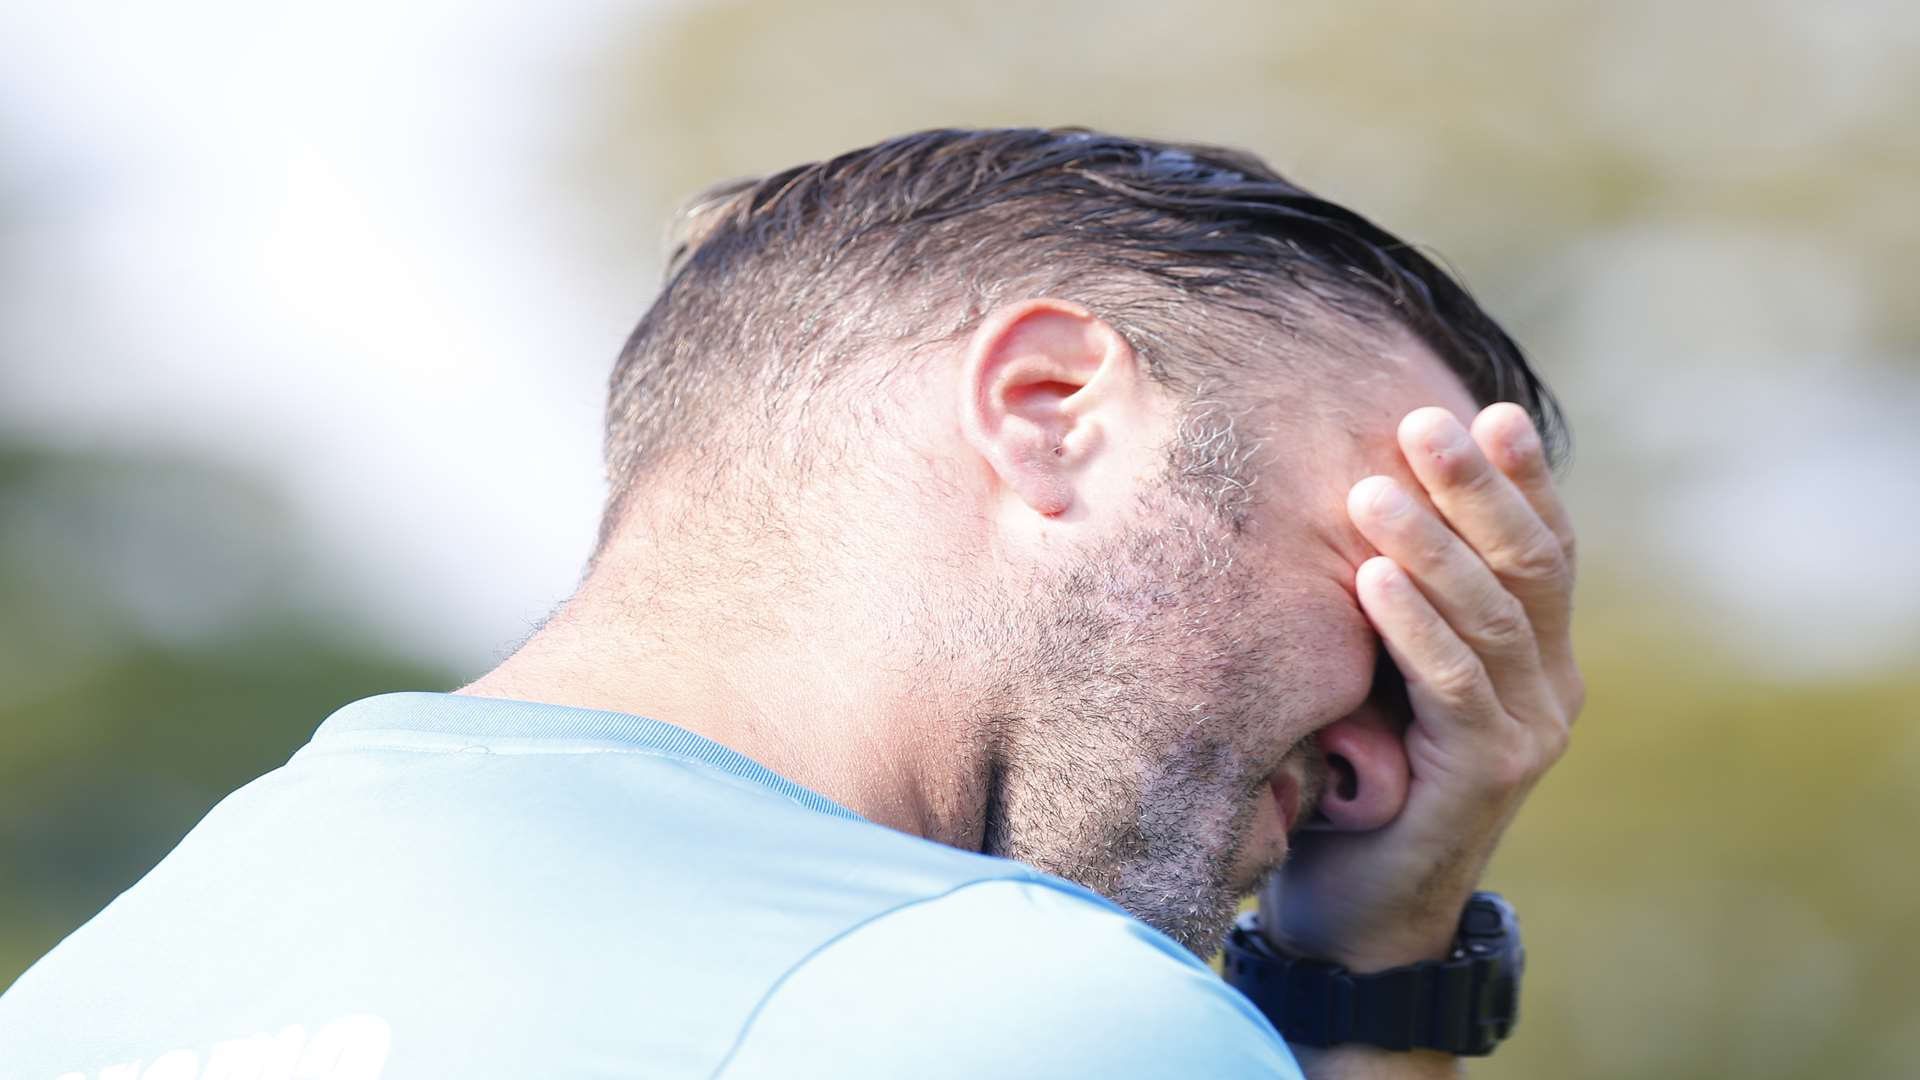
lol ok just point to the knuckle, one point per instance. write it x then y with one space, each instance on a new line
1458 678
1472 475
1435 546
1541 561
1559 739
1512 767
1504 626
1576 695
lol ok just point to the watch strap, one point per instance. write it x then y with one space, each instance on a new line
1463 1005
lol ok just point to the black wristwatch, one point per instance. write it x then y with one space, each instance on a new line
1465 1004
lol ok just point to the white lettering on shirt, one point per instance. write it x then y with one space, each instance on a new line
174 1065
257 1057
350 1048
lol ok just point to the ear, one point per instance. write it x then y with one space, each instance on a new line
1368 773
1045 388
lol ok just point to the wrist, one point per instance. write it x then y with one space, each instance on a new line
1373 1063
1368 953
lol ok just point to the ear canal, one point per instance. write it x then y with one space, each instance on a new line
1368 772
1346 780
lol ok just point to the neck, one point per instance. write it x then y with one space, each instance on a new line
846 715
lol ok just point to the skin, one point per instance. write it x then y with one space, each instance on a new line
994 624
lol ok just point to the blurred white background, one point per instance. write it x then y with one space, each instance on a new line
350 248
329 247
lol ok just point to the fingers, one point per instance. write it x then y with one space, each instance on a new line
1447 685
1435 662
1490 512
1457 585
1506 435
1451 687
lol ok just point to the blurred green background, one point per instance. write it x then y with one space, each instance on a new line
306 318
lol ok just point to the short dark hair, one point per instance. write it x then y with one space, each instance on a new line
778 286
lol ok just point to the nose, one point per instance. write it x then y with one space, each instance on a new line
1367 771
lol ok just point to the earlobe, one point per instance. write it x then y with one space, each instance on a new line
1038 380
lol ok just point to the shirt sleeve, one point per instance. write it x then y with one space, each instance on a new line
1005 978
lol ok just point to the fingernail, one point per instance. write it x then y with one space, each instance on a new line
1446 436
1525 442
1387 573
1388 500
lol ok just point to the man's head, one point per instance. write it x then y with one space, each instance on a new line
1075 415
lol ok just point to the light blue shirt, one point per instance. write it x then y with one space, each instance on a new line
441 886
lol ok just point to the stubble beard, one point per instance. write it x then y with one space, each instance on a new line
1138 739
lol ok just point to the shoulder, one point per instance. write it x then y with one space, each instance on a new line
1006 977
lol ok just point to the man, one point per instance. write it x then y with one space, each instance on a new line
1019 541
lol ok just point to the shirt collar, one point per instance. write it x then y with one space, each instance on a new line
481 719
